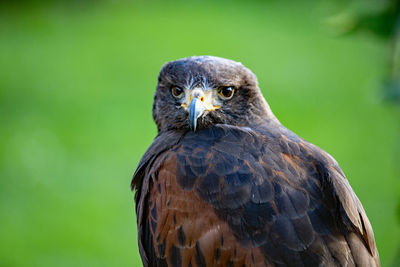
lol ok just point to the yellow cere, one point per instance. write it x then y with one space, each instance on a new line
207 100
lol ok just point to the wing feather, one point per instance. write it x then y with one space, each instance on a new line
140 183
275 191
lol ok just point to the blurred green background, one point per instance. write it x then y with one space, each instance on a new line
76 86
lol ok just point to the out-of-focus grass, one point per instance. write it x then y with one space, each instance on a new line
76 87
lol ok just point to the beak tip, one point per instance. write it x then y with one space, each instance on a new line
193 124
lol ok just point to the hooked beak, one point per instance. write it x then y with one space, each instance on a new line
196 103
196 109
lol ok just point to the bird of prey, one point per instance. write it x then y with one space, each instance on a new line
225 184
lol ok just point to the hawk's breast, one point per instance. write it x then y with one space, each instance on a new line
186 231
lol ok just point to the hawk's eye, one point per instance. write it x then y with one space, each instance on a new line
226 92
177 92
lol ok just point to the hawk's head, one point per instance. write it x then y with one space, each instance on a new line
197 92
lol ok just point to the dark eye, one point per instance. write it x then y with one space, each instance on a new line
177 92
226 92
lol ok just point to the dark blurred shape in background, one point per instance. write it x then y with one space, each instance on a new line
381 18
76 85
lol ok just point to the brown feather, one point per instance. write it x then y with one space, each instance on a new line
183 211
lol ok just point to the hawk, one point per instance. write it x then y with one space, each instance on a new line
225 184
